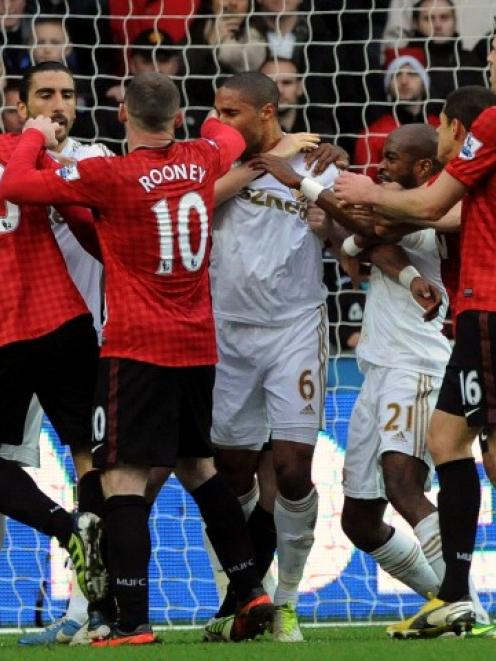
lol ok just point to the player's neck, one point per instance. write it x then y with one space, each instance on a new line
138 139
272 137
61 146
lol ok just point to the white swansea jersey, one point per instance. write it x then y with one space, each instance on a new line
85 270
266 264
394 333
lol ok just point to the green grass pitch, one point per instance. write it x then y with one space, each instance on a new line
322 644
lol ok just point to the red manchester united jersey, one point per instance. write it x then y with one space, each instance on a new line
448 244
37 295
475 167
154 209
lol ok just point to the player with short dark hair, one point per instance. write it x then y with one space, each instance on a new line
271 320
49 88
48 345
467 401
154 391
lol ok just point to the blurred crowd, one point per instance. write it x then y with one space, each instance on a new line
351 70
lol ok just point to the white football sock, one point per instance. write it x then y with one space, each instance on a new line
295 523
77 609
402 558
249 500
429 536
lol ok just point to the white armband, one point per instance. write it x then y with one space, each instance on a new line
408 274
311 189
350 247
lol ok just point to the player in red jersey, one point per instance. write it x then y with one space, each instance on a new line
154 393
43 320
467 401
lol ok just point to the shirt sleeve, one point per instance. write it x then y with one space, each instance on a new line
228 143
477 158
422 240
79 183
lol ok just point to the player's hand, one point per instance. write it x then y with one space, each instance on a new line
317 220
116 93
353 188
353 267
427 296
326 155
224 28
278 168
45 126
392 232
293 143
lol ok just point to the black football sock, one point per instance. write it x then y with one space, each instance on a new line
263 535
227 530
91 499
90 494
21 499
128 556
458 504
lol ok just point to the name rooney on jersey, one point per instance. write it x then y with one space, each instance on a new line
157 176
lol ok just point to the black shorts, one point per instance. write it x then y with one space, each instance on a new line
60 368
149 415
469 384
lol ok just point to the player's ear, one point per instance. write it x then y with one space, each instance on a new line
458 130
122 113
22 110
179 120
268 111
424 166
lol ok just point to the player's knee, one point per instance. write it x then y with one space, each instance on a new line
294 478
402 495
236 472
360 531
193 472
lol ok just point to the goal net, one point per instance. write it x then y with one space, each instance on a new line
341 50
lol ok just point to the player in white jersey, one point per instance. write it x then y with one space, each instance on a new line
403 359
271 318
59 102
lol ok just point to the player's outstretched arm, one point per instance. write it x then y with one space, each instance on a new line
425 203
230 142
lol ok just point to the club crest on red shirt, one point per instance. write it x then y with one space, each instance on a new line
470 147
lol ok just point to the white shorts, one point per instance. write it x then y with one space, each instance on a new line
391 414
270 382
28 453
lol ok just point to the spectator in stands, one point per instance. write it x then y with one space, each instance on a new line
221 41
50 41
434 31
288 80
129 19
153 50
472 21
293 34
406 83
15 33
11 120
294 114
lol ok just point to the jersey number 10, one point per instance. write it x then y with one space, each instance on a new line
192 261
